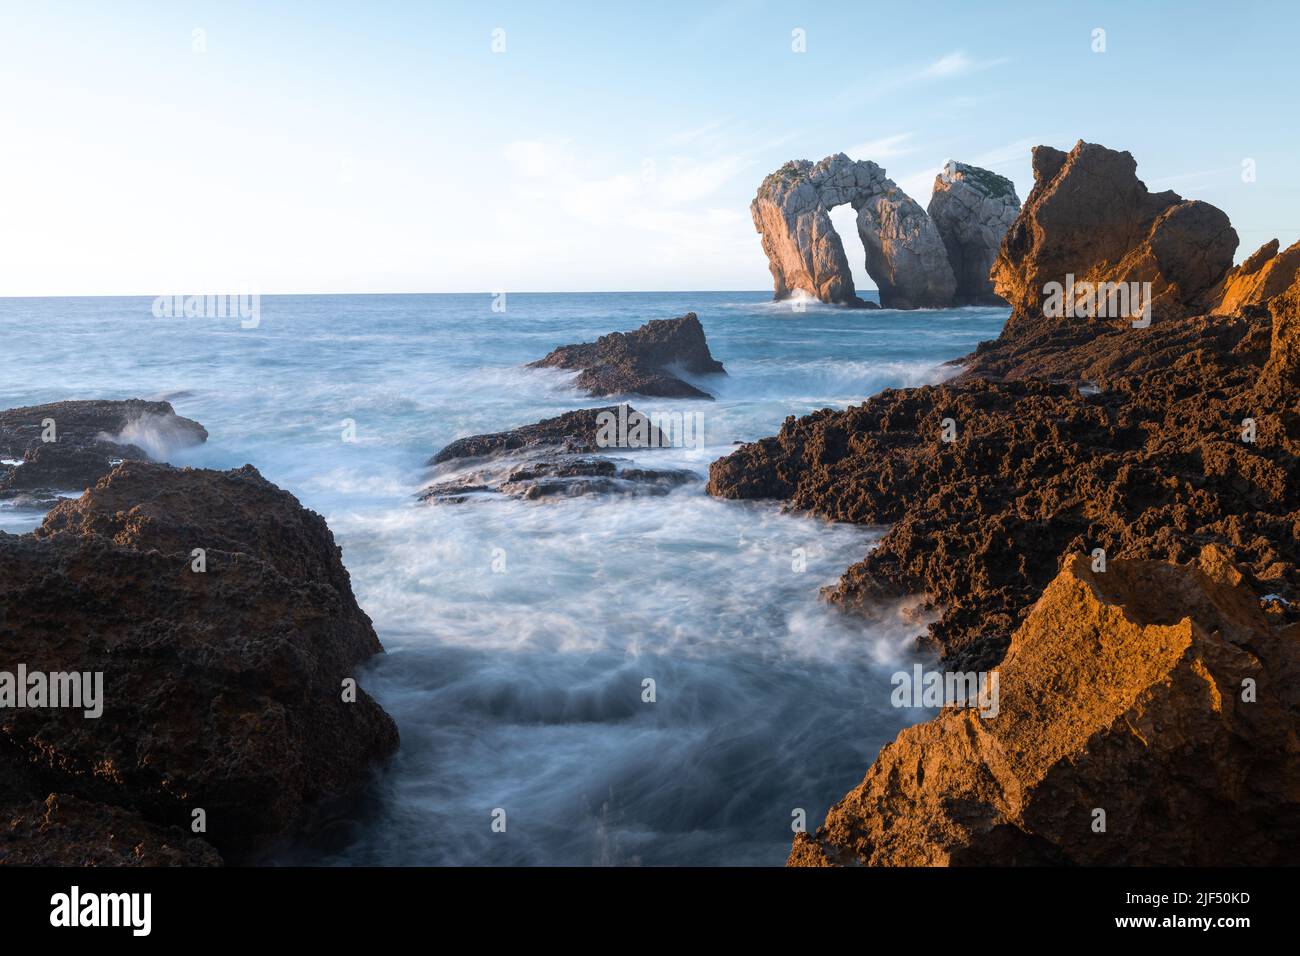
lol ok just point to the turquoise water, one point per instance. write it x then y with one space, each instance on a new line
520 633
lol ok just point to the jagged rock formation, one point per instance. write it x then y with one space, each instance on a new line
1156 693
222 689
556 457
904 253
641 362
1069 436
1279 382
1254 284
1151 465
90 437
1059 439
1091 218
973 208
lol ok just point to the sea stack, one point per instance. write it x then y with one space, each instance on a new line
973 208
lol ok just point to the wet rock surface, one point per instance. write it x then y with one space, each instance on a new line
223 689
88 439
1150 466
554 458
645 361
576 431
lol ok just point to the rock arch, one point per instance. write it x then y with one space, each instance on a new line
906 254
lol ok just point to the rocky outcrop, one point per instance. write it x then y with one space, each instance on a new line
1253 285
642 362
575 432
1090 220
973 208
1064 436
904 253
68 446
1146 717
554 458
224 684
1169 454
1150 463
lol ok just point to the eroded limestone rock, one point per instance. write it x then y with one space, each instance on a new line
973 208
904 252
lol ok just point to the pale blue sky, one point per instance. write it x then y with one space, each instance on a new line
348 147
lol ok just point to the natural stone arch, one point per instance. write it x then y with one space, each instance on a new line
905 254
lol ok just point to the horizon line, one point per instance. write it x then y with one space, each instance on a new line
185 295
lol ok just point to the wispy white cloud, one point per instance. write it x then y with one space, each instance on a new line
600 208
1017 151
886 147
956 63
1192 182
949 66
706 131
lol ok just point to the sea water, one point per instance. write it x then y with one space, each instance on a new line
643 680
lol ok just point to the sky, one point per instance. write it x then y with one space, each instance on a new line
185 147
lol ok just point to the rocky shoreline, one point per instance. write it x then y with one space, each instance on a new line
1105 511
216 615
1102 510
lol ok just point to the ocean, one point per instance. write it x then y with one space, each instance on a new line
520 635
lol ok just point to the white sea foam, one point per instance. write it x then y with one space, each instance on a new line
157 435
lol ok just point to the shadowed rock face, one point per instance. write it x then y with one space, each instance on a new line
1122 691
1090 217
904 253
553 459
973 208
223 690
641 362
62 830
90 438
